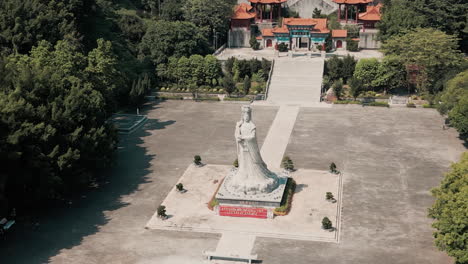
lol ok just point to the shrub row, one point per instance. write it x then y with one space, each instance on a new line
237 99
287 199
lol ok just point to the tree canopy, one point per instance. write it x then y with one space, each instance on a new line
210 16
450 211
431 52
449 16
53 117
164 39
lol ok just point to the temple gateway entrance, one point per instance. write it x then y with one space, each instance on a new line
339 44
269 43
304 42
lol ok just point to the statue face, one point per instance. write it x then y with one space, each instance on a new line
246 117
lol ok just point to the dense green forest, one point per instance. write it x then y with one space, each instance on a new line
66 66
449 16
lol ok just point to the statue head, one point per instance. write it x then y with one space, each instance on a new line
246 113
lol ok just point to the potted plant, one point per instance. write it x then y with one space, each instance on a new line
197 160
326 223
162 212
180 188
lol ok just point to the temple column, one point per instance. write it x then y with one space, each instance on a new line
346 13
357 13
261 13
339 12
271 13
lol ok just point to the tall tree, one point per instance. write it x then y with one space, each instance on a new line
349 64
212 70
399 16
450 211
53 125
391 74
171 10
24 23
164 39
366 70
431 51
212 16
334 68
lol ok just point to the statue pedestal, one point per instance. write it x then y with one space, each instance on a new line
249 205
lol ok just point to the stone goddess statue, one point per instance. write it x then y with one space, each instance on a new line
252 176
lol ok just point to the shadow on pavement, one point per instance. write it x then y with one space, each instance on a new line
65 226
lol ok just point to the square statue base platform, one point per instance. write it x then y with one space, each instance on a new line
188 211
268 200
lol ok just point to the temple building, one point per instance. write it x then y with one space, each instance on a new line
369 18
303 33
243 16
267 10
351 11
297 33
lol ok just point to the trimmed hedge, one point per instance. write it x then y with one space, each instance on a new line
207 99
428 106
237 99
170 97
346 102
380 104
287 199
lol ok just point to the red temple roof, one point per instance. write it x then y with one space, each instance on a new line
320 25
267 32
282 29
372 13
339 33
268 1
300 21
353 2
242 11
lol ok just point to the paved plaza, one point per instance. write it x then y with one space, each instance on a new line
390 158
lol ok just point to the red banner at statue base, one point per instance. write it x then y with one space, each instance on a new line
243 211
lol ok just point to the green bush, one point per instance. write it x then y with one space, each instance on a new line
214 202
237 99
287 164
282 47
162 211
450 212
329 196
326 223
197 160
287 198
204 88
180 187
380 104
428 106
254 43
333 167
411 105
211 98
352 45
346 102
170 97
338 88
236 163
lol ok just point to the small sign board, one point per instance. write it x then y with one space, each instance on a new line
238 211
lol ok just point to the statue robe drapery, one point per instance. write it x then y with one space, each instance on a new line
253 175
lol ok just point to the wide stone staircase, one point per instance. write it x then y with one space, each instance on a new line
296 82
305 8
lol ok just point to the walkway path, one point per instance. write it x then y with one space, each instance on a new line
296 81
277 138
